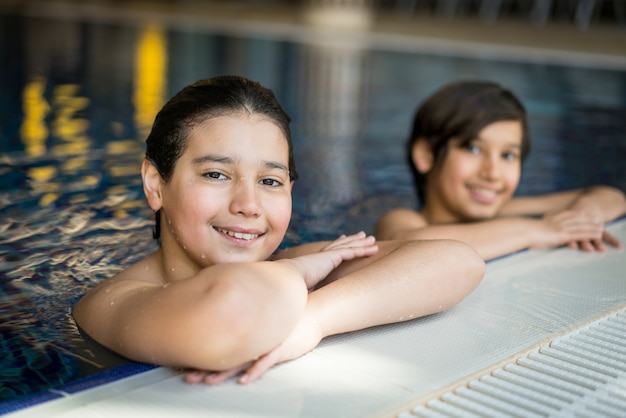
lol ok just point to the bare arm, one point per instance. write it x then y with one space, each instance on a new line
224 316
318 262
568 217
588 207
406 280
491 239
606 202
218 319
403 281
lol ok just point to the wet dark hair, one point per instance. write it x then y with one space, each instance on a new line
460 110
206 99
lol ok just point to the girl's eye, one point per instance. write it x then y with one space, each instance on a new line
509 156
474 149
214 175
271 182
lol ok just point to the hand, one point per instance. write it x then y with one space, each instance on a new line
316 267
576 229
303 338
213 378
596 245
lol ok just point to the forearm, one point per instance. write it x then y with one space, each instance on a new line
413 280
607 202
491 239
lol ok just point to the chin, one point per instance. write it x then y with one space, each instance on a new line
482 216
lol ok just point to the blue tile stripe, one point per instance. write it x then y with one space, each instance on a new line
107 376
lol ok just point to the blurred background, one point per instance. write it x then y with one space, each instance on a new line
81 82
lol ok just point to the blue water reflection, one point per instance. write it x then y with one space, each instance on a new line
78 95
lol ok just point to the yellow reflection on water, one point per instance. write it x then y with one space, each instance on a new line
42 174
150 71
125 170
73 165
47 199
34 131
123 147
67 126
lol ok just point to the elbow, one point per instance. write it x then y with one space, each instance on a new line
253 313
478 268
468 274
614 199
474 268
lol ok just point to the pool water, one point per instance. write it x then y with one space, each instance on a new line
78 95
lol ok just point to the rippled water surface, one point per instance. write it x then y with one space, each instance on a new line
77 96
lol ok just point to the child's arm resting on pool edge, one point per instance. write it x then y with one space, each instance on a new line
220 318
215 320
605 202
403 281
569 217
317 266
595 205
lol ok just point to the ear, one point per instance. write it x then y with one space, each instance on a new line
151 184
422 156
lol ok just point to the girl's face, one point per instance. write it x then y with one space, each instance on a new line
475 181
229 199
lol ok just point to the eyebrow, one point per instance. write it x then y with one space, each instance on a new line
214 158
478 138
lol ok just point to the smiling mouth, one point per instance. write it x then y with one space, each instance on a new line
238 235
484 193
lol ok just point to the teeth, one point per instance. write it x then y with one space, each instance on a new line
484 192
238 235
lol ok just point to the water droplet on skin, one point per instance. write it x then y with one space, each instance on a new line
112 303
440 306
184 247
108 290
401 318
165 285
203 256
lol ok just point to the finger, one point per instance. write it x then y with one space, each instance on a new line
334 243
195 377
611 240
586 246
599 245
259 367
362 241
215 378
346 238
364 251
354 252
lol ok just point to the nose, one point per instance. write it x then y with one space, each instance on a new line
245 198
490 167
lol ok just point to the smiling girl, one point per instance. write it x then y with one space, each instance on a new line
218 174
466 151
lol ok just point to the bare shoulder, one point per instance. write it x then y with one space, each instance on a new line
96 309
144 273
394 222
